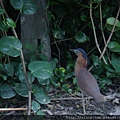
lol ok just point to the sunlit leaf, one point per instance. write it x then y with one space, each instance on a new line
110 23
10 22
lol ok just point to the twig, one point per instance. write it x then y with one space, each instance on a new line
70 98
110 34
96 41
101 24
12 109
63 40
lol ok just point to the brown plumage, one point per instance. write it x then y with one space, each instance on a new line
85 79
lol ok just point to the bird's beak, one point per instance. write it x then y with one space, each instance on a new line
72 50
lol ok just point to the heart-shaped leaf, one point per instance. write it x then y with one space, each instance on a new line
81 37
40 112
35 106
10 22
6 91
25 6
3 26
59 34
10 45
9 69
21 89
41 69
114 46
110 22
40 95
116 64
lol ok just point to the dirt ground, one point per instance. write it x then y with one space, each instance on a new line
67 104
72 105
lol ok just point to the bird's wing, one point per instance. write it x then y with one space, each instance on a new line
87 82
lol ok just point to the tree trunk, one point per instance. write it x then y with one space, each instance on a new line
34 30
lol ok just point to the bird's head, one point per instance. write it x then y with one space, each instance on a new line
80 51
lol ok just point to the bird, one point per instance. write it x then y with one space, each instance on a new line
85 80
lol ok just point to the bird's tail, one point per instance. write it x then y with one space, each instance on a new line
103 98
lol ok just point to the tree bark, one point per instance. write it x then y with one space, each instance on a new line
34 30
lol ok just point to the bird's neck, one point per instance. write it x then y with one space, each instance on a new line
80 64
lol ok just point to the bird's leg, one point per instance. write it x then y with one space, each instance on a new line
83 103
87 102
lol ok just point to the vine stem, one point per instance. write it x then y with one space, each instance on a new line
23 63
106 44
110 34
103 35
95 36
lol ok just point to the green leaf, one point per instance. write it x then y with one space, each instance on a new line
65 87
54 62
40 112
116 64
97 1
69 75
25 6
2 11
114 46
35 106
117 34
10 22
64 1
41 69
10 45
110 22
83 18
3 26
40 95
6 91
70 90
59 34
110 75
44 81
22 78
1 67
80 37
74 81
21 89
9 69
109 68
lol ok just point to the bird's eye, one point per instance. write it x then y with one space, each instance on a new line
76 51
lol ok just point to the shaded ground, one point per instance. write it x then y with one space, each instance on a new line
71 104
